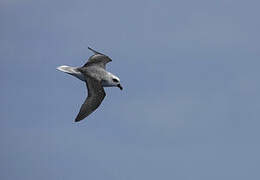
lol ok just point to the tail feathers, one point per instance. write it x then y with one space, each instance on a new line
67 69
72 71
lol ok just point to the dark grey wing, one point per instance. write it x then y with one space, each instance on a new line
97 59
96 94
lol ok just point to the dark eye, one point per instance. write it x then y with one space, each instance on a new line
115 80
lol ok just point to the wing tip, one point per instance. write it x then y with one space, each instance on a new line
90 48
94 51
78 119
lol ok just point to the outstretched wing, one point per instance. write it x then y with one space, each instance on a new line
97 59
96 94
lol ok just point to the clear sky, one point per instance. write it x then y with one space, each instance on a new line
190 105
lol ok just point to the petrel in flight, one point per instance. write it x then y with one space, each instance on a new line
94 74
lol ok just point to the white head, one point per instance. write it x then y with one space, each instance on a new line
116 82
112 80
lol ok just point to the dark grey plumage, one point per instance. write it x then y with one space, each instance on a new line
98 59
96 94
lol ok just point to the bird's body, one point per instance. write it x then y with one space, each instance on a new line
96 77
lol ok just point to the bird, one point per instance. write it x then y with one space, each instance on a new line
94 74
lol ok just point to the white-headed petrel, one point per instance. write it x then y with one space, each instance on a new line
94 74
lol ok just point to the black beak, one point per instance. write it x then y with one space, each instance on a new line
119 85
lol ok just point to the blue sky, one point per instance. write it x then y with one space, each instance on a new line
190 104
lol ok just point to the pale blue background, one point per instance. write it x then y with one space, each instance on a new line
190 105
